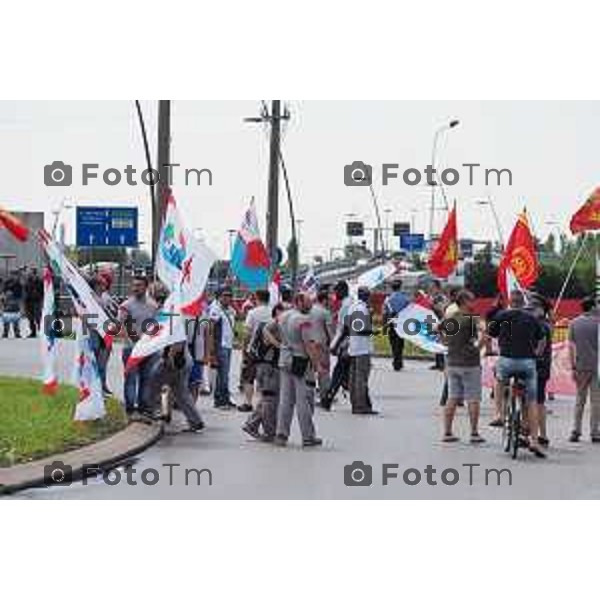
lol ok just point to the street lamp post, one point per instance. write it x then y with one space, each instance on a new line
388 212
446 127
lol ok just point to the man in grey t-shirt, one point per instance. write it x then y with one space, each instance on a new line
137 314
583 350
298 352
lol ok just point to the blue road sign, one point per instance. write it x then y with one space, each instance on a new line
412 242
114 227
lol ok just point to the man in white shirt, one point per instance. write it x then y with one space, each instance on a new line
360 331
222 317
339 345
256 316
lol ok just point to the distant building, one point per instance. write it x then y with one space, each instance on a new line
13 254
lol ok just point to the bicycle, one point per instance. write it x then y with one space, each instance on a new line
513 432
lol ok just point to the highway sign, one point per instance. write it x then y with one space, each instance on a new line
113 227
355 229
412 242
401 228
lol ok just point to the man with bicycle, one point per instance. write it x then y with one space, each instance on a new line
521 341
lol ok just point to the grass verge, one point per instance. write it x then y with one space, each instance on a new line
33 426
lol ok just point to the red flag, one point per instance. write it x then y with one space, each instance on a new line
444 258
520 257
588 216
14 226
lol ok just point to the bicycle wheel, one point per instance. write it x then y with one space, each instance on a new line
506 429
516 431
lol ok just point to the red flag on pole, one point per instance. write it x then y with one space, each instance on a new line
520 257
15 227
444 258
587 218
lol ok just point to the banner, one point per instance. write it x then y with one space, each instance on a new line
250 261
376 276
520 257
84 299
91 399
49 340
171 330
587 218
15 227
414 323
444 257
561 381
183 263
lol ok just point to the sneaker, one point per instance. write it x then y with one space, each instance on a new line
280 440
476 439
449 438
574 438
543 441
596 439
497 423
245 407
197 428
310 442
365 411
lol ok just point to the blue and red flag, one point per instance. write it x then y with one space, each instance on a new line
250 261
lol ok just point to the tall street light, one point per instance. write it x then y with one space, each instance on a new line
439 131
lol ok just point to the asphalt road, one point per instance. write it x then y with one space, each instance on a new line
405 435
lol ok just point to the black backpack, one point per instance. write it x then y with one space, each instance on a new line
258 349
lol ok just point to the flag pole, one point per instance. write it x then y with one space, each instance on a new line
563 289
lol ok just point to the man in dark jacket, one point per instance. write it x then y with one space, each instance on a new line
34 297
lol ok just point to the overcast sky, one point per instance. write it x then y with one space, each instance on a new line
551 149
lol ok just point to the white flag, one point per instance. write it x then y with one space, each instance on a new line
49 340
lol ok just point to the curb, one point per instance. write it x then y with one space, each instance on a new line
147 434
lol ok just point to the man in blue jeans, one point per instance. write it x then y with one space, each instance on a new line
137 313
222 316
521 340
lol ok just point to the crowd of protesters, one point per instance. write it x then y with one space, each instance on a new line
21 297
302 350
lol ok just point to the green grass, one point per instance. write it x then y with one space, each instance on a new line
33 426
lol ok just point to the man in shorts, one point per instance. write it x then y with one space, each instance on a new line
461 334
520 340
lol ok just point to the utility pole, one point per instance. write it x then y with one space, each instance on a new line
273 192
275 160
162 159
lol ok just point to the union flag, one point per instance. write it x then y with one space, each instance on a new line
15 227
444 257
588 216
520 257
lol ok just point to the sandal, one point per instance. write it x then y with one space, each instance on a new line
476 439
497 423
537 452
449 438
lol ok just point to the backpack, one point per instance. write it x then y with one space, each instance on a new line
258 347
